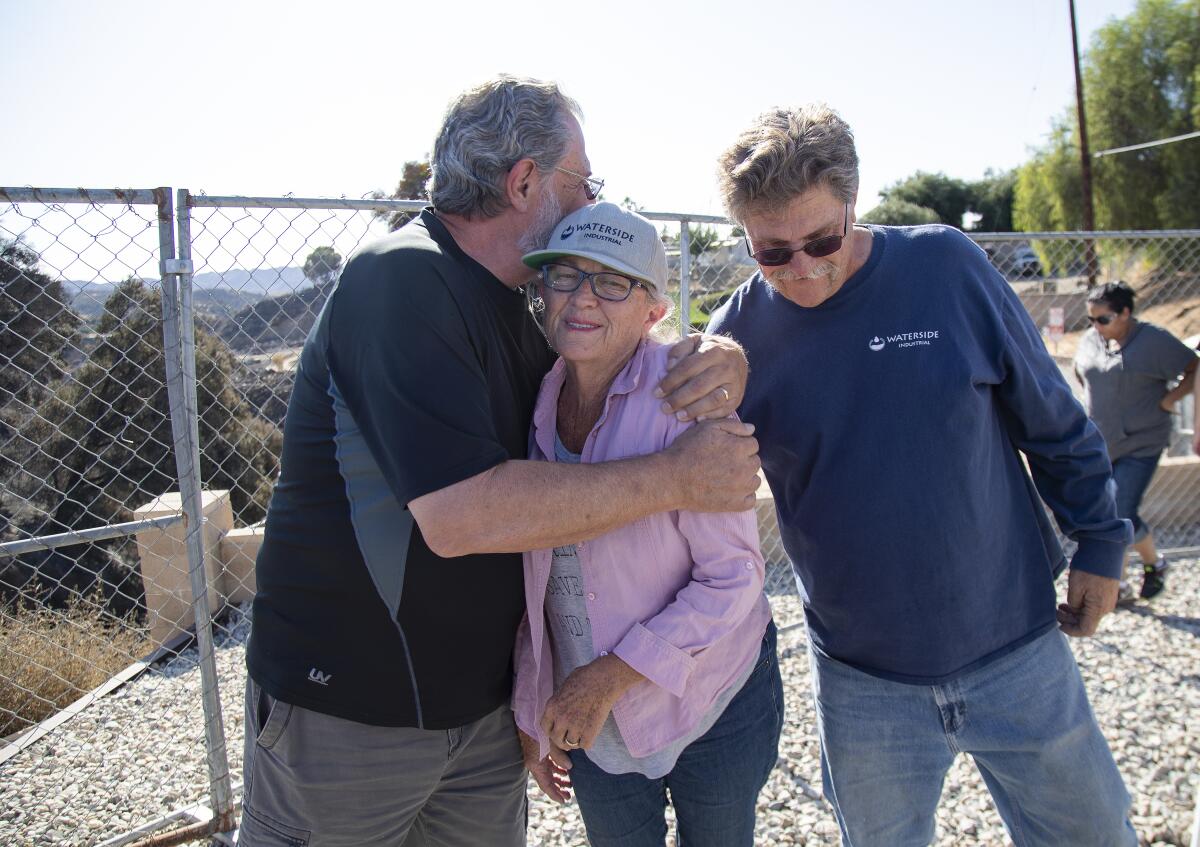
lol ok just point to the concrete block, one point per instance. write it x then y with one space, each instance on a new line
164 562
239 550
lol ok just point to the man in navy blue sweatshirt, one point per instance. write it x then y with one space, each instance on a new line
896 383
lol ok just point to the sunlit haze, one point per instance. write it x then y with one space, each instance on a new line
319 99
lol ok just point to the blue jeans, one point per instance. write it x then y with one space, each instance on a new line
1132 474
1024 719
714 785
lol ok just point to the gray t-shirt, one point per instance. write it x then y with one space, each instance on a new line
1123 387
570 631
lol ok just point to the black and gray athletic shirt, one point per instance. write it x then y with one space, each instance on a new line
421 372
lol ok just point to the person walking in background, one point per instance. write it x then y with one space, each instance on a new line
648 653
1125 366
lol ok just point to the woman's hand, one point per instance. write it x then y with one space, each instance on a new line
578 709
706 378
549 773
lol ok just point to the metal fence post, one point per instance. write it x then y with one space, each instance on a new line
180 354
685 274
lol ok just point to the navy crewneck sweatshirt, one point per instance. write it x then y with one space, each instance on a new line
889 420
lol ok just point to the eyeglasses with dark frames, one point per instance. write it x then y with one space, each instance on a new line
1103 320
591 186
606 285
771 257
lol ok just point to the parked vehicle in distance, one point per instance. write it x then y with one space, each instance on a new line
1024 262
1013 259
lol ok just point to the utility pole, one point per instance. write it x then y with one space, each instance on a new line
1089 215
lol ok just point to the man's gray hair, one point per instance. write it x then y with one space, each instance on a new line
785 153
486 131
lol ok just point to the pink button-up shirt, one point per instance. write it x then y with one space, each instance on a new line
677 595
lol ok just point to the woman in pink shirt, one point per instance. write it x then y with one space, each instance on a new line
646 661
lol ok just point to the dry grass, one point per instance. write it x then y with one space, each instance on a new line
50 657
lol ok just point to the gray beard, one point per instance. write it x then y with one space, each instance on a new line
549 213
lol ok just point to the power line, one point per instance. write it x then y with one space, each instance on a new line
1143 146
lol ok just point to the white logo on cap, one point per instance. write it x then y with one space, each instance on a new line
877 344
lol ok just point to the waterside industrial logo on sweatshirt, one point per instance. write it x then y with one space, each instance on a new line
922 338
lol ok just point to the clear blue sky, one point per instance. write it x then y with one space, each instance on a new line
330 98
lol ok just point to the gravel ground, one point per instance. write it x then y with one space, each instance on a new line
139 754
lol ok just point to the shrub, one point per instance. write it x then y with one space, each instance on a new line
50 658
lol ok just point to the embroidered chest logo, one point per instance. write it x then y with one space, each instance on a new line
920 338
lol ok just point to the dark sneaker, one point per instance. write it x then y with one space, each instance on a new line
1126 597
1154 579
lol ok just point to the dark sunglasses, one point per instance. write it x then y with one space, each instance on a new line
771 257
1103 320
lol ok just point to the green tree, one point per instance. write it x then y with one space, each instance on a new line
322 266
895 212
947 196
701 239
1048 195
37 325
1141 75
101 444
992 199
413 185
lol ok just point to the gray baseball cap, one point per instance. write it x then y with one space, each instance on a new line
616 238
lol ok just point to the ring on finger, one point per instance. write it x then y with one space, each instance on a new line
724 394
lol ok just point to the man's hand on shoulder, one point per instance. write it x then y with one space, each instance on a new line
1089 598
706 378
716 466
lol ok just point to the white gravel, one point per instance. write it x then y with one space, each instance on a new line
138 754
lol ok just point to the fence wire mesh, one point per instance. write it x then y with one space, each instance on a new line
90 540
86 441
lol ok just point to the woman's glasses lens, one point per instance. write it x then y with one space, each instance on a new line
1103 320
606 286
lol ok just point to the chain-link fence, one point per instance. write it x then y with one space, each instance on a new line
1051 272
141 406
101 557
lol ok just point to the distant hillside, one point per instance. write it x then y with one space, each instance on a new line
262 282
273 323
88 300
222 294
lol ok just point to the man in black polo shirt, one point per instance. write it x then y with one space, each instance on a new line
389 581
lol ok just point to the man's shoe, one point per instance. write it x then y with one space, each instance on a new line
1126 597
1154 578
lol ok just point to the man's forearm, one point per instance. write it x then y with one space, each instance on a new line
526 505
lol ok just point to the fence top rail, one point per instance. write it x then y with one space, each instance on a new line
1076 235
125 196
155 196
685 216
383 205
365 205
